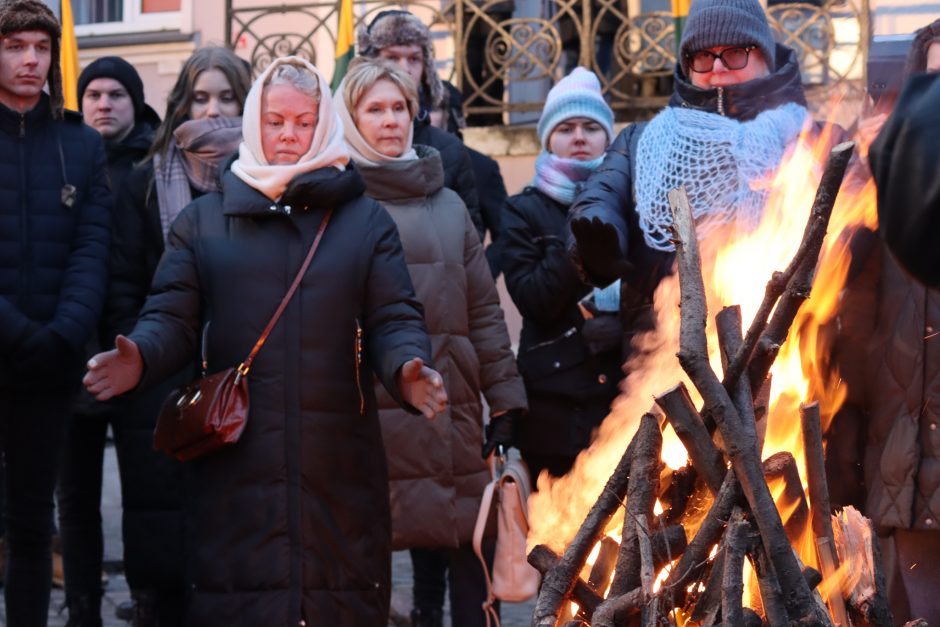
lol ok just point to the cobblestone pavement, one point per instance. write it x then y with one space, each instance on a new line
513 614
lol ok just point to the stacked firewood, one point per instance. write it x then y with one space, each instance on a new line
705 582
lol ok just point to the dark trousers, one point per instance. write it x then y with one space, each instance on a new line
79 498
460 569
32 429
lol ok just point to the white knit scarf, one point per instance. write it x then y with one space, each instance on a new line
362 153
326 150
720 161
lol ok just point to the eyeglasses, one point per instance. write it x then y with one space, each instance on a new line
732 58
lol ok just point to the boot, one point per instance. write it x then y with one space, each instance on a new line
84 611
427 617
145 608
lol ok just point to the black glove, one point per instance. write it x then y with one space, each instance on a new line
599 249
500 432
602 333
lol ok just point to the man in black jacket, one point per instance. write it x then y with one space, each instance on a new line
111 99
54 240
400 37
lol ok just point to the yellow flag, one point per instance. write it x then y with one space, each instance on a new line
344 42
680 11
69 57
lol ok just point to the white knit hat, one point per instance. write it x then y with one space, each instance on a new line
577 95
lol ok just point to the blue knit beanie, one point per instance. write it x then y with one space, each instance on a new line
577 95
714 23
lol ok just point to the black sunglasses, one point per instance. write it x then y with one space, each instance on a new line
732 58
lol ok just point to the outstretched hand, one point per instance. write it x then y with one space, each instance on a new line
422 388
115 371
599 248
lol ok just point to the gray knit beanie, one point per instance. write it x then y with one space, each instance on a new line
726 23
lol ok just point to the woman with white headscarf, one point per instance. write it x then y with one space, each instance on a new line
289 526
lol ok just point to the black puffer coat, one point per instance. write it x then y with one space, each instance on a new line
569 389
292 522
609 195
53 258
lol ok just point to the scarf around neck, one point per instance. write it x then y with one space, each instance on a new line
361 152
193 160
720 161
327 150
559 178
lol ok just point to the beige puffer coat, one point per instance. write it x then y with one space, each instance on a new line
437 475
891 363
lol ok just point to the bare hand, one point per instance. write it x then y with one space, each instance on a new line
114 372
422 388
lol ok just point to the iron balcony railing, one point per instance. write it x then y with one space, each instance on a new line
505 54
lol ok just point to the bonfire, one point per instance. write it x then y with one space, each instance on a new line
703 500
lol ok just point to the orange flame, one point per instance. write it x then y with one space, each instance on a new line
736 267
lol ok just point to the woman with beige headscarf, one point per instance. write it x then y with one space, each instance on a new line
289 526
437 472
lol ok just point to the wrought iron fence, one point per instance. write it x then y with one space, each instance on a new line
491 49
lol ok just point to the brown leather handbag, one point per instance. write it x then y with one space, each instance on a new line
211 412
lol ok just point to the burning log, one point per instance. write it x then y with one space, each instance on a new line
821 509
732 582
543 559
604 564
770 594
641 497
619 607
560 579
801 279
677 494
773 333
781 467
740 441
856 543
685 420
695 557
708 605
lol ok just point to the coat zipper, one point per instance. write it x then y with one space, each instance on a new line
721 101
24 218
362 399
564 335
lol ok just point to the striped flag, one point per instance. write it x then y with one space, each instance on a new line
680 11
69 57
344 42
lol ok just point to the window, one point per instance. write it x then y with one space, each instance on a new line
108 17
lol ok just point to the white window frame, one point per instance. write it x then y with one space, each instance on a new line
136 21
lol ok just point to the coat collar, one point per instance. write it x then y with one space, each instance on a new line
401 180
745 101
326 187
13 122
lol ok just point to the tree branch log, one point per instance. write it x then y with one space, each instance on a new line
741 445
560 580
686 422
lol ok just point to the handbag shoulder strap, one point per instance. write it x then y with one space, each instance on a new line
245 366
485 505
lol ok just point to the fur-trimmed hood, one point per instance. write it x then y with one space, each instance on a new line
22 15
401 28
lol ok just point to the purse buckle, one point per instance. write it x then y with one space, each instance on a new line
242 371
189 398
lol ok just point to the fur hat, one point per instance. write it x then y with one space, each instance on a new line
577 95
917 55
119 70
727 23
22 15
401 28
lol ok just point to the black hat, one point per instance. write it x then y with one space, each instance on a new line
121 71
